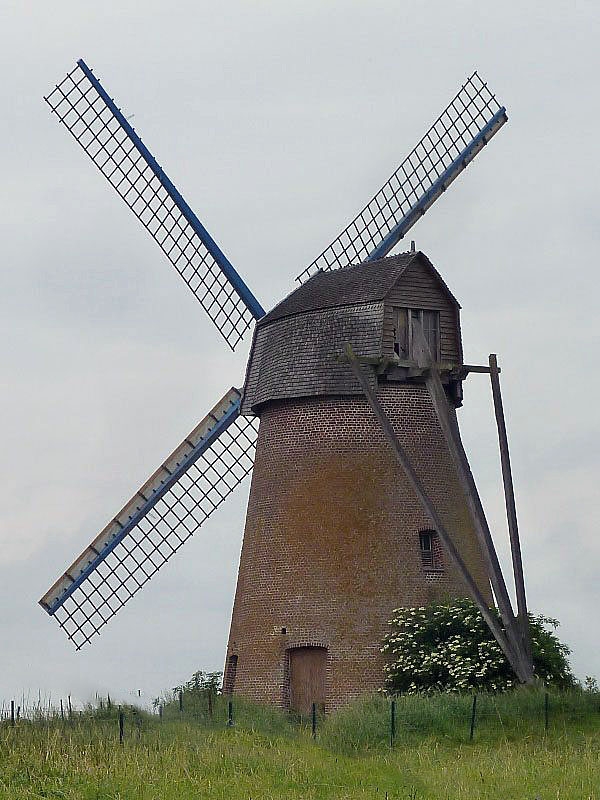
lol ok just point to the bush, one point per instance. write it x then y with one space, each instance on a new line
203 703
195 691
449 648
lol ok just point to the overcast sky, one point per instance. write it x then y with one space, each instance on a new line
277 121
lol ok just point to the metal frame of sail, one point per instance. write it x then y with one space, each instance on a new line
225 265
440 185
467 123
226 420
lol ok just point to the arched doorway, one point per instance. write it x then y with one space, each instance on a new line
307 670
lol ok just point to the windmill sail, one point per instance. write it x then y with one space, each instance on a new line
91 116
173 503
468 122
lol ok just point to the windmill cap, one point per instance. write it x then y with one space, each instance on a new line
367 282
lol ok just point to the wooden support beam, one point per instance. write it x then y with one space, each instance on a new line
476 368
384 362
511 508
449 425
404 461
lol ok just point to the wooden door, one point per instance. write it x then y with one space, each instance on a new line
307 678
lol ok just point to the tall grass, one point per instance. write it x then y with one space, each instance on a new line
366 723
267 754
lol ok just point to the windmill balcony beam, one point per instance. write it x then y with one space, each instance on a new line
446 368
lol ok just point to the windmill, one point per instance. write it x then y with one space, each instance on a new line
298 632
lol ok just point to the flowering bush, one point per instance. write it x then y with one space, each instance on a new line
449 648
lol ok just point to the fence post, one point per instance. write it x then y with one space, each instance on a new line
180 702
62 710
473 712
12 712
210 704
230 714
546 712
160 712
392 723
121 726
314 720
70 706
18 713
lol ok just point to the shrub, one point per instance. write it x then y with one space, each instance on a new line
198 688
449 648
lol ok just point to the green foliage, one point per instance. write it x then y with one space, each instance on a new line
188 758
202 703
365 724
201 683
199 687
449 648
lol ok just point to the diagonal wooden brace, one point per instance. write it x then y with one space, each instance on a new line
511 509
404 461
449 425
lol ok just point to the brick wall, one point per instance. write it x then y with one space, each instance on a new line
331 544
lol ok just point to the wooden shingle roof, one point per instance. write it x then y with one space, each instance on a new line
368 282
297 346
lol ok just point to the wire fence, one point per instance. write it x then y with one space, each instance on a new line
378 721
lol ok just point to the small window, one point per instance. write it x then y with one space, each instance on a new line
431 329
430 323
404 323
400 332
430 550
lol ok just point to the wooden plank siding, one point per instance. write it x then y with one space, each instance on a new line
419 288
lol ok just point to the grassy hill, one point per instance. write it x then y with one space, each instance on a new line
265 754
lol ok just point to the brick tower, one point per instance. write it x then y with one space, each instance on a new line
335 538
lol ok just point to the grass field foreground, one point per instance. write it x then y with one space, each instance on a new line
267 755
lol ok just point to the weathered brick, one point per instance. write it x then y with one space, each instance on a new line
331 544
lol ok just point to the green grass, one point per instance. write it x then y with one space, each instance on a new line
265 755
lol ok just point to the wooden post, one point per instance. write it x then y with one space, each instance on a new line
229 714
473 713
437 524
12 712
449 426
121 727
70 706
62 710
314 720
392 723
511 508
210 704
180 702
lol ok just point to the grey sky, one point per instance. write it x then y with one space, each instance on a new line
277 121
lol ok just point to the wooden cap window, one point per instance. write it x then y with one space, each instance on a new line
404 319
